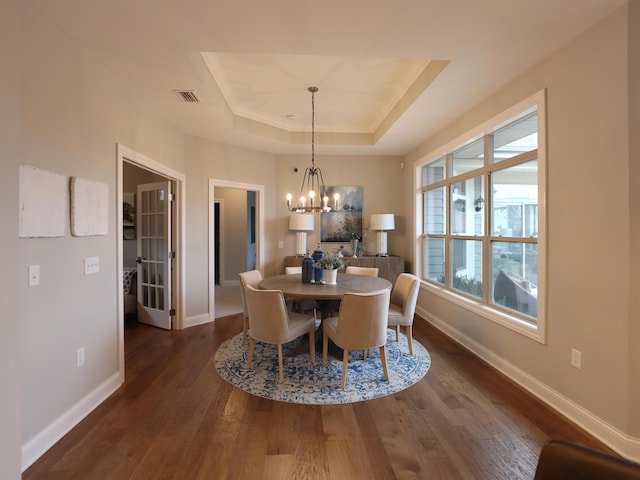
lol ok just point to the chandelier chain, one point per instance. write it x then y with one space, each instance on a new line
313 126
312 179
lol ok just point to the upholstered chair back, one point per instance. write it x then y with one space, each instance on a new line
363 320
405 295
252 278
353 270
268 317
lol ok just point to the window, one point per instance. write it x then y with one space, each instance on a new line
481 221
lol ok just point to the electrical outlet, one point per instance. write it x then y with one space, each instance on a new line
34 275
80 357
576 358
280 244
91 265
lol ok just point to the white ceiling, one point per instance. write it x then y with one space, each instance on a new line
389 73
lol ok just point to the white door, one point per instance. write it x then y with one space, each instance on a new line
153 224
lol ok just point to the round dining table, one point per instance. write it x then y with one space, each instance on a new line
327 296
292 286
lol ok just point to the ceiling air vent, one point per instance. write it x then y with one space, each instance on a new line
187 96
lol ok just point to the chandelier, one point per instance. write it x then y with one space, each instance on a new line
313 193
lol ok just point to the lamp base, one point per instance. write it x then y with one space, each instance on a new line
381 244
301 244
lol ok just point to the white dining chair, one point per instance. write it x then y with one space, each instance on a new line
353 270
402 306
361 324
252 278
270 322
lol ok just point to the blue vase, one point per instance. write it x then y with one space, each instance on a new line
307 269
318 273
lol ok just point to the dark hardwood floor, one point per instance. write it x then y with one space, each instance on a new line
175 418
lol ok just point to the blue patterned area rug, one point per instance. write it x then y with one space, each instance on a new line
318 384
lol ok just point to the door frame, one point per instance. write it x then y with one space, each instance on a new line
126 154
259 189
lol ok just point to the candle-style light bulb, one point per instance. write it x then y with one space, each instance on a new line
312 195
325 201
336 197
289 197
303 201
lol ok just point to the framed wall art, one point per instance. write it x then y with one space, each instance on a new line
43 203
344 223
89 207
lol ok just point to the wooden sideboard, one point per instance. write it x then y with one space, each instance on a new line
388 267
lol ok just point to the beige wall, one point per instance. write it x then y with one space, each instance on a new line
210 160
589 222
14 272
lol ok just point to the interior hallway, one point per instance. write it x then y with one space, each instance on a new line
228 300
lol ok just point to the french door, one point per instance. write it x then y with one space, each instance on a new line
155 259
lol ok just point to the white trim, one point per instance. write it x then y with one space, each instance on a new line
260 204
617 440
485 311
44 440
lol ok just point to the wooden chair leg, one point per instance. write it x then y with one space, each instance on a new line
345 364
312 346
383 360
410 338
397 332
245 328
280 361
325 347
252 346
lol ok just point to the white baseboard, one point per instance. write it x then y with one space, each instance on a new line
44 440
617 440
197 320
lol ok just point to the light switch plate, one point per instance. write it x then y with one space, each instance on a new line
91 265
34 275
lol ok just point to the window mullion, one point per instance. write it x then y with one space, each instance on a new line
486 244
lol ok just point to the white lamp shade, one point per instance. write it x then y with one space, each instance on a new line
300 221
382 221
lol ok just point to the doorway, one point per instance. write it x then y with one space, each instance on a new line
134 169
235 222
234 234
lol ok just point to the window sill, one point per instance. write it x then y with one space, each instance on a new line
512 322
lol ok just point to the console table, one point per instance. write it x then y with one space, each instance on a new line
388 267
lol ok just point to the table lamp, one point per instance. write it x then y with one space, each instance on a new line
382 222
301 223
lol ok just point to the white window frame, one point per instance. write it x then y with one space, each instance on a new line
534 330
